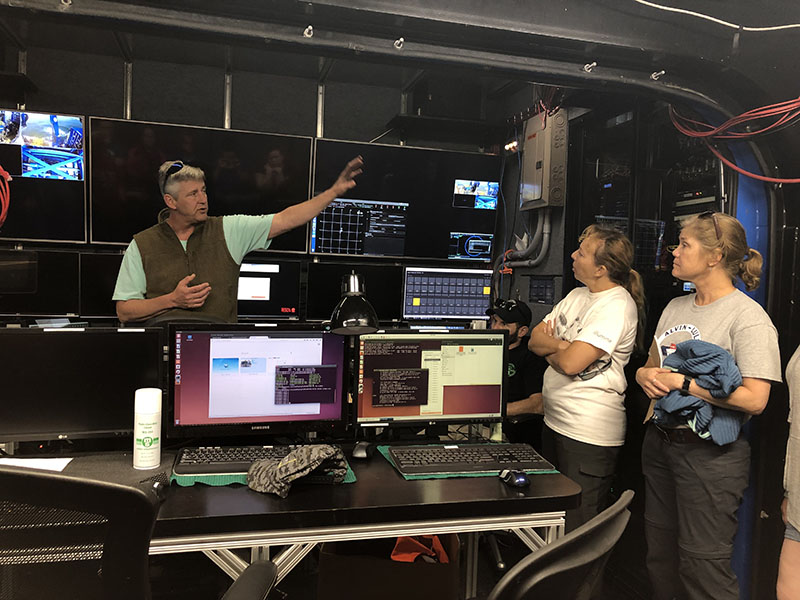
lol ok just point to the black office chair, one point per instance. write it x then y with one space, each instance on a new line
51 518
571 566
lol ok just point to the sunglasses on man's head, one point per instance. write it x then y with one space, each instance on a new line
173 168
710 214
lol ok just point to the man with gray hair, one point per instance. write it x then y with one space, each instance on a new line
187 265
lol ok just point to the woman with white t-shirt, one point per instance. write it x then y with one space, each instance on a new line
693 486
588 339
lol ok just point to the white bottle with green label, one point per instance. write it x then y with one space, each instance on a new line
147 428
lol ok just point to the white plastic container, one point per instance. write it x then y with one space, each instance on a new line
147 428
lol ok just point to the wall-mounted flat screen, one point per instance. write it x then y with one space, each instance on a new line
98 278
408 202
54 292
44 154
246 173
269 288
383 288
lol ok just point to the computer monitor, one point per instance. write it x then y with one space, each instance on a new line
44 153
98 274
409 202
230 380
431 293
269 288
73 383
429 378
383 287
56 291
246 173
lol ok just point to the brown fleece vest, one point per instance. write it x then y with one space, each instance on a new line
166 263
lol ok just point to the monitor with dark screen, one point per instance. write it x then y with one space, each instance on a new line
98 278
18 271
245 379
56 290
413 377
382 287
408 202
246 173
71 383
432 293
269 288
44 154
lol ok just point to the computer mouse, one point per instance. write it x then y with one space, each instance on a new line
517 479
363 450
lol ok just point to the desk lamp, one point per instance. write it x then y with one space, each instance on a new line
354 314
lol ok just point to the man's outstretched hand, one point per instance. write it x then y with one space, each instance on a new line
186 296
347 178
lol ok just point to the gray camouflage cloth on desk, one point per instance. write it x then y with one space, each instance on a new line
276 476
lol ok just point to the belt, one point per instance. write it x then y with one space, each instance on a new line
683 435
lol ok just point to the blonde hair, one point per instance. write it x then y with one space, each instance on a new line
187 173
738 259
615 253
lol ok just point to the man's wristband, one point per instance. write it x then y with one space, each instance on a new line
687 381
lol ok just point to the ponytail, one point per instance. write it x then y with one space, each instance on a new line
635 287
749 269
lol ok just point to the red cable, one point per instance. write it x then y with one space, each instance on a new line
5 195
783 112
748 173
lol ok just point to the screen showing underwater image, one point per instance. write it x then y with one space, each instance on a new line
475 194
50 145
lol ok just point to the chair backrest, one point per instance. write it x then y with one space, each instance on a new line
571 566
48 517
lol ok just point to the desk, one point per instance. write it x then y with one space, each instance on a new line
380 504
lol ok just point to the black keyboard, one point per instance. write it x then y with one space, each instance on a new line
466 459
218 460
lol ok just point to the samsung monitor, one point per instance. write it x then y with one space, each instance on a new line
246 173
56 289
432 293
431 378
74 383
408 202
383 288
268 288
230 380
43 153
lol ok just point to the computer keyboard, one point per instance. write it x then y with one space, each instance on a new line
217 460
466 459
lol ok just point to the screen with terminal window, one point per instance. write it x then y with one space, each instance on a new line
238 379
407 377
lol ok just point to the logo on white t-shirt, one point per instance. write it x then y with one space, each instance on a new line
688 330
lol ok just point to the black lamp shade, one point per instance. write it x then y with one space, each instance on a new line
354 314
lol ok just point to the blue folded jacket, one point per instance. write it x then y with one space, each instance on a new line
713 369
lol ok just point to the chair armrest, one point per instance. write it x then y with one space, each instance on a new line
254 583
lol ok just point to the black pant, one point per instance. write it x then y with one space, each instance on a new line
586 464
693 490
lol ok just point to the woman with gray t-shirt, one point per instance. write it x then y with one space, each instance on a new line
694 486
789 569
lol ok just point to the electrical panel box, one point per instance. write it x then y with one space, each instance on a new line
544 161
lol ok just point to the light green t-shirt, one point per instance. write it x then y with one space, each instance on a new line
243 233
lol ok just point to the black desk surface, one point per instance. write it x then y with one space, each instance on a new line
379 495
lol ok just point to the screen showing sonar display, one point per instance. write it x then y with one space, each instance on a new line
455 376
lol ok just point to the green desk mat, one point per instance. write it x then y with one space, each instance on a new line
228 479
384 450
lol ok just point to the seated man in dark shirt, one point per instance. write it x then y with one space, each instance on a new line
524 412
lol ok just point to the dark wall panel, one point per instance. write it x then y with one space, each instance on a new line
72 82
182 94
358 112
273 104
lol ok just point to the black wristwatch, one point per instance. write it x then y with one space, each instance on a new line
687 381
